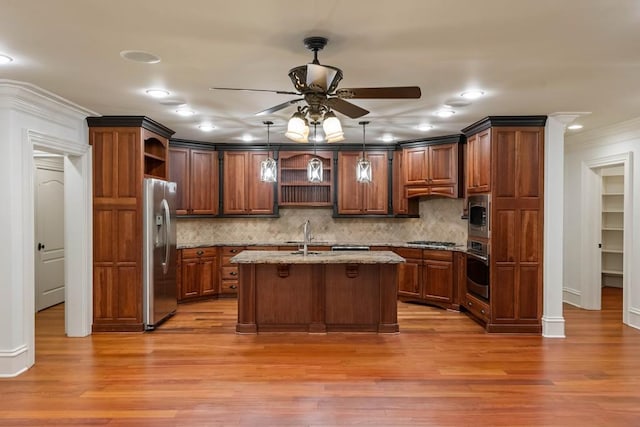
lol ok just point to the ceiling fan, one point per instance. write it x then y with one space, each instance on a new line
317 85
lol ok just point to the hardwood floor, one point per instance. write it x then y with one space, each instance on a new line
442 370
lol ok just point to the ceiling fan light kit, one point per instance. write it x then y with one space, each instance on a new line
317 85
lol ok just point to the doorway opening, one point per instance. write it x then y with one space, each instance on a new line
606 225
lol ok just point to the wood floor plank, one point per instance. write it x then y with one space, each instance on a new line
442 369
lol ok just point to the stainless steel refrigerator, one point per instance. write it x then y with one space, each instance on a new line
160 296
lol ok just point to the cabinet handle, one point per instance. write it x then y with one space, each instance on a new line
234 273
233 287
199 253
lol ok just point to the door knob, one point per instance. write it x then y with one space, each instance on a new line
40 246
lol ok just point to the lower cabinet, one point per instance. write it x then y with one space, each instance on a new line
198 273
229 271
427 276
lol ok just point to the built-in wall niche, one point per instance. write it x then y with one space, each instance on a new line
612 225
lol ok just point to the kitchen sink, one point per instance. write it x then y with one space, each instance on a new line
302 253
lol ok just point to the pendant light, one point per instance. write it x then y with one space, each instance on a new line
314 167
363 166
268 167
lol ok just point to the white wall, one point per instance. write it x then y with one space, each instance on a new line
582 150
32 117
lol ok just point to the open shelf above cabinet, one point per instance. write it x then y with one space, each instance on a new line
294 187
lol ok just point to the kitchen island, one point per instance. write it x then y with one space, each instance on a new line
318 292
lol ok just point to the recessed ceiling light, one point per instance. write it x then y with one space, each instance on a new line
387 137
472 94
206 127
5 59
185 112
445 113
424 127
157 93
574 127
247 138
140 56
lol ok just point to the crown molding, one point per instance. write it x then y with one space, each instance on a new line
612 134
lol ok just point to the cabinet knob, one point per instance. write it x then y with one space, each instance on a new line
469 303
199 253
233 287
482 311
234 273
233 251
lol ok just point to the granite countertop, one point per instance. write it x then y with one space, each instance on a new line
459 248
321 257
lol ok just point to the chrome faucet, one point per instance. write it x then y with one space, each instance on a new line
306 231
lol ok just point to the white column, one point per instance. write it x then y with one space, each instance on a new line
552 318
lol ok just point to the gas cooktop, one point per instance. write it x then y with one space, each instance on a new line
432 243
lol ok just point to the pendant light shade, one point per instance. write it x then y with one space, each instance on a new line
332 127
314 170
363 166
315 167
297 128
268 167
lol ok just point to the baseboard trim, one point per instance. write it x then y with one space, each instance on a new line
14 362
553 327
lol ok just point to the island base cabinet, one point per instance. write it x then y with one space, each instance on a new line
317 298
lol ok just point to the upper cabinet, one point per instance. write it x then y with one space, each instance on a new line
295 188
243 192
196 174
479 162
432 170
357 198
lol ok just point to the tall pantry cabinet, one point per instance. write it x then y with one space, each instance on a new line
126 149
512 147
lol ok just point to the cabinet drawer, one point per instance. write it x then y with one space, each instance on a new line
477 307
229 272
231 251
199 252
435 255
229 287
409 253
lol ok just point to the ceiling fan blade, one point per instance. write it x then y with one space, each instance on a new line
346 108
319 77
278 107
282 92
379 92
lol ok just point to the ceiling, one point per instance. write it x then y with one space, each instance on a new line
530 57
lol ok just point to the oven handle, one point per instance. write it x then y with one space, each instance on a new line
484 259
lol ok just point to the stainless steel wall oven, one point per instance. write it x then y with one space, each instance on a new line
478 269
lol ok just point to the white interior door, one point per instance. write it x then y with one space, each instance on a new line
49 244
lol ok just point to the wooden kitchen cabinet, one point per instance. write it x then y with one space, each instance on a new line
198 277
516 184
427 277
229 271
410 273
295 189
438 283
401 204
478 176
196 174
126 149
432 170
243 192
357 198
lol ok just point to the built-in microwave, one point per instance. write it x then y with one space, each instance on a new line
479 215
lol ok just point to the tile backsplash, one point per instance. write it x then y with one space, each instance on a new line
439 220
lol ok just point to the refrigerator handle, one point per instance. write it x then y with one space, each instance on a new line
167 228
